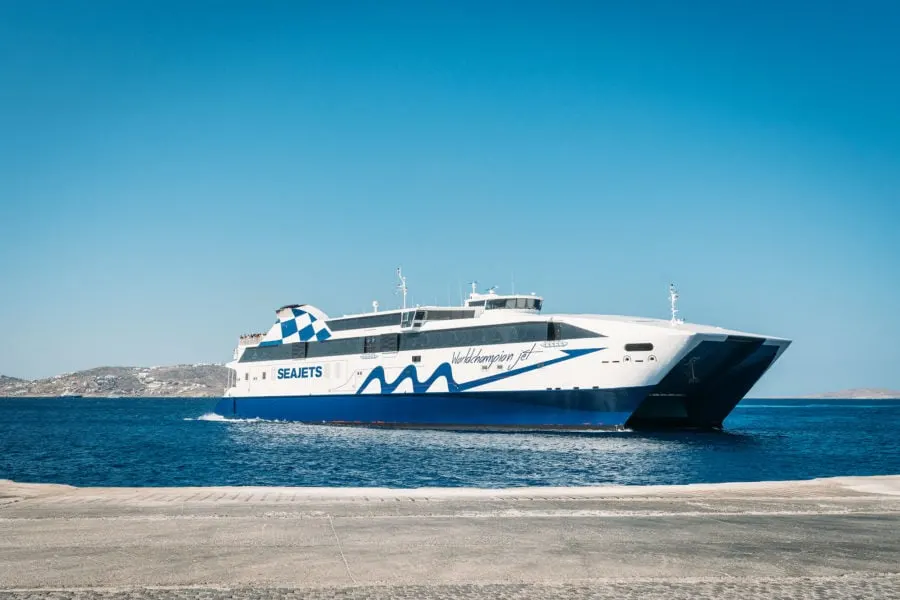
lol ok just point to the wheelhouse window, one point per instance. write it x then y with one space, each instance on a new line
520 303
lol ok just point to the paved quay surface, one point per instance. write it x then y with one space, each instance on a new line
827 538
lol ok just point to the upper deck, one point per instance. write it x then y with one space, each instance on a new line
476 306
302 330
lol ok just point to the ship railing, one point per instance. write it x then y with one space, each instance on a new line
251 339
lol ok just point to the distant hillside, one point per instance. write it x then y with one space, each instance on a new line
861 394
200 380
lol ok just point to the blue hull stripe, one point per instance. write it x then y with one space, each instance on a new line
446 371
543 408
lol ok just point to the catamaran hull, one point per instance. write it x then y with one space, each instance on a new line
702 389
698 391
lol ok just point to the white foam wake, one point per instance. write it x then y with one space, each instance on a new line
220 419
216 418
207 417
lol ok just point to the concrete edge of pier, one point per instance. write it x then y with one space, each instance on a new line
888 485
834 537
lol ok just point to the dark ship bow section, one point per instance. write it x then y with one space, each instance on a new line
705 386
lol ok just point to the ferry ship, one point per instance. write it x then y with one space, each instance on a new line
495 362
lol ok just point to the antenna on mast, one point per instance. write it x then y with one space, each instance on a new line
374 305
474 285
673 301
402 285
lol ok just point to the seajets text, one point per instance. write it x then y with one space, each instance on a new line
299 373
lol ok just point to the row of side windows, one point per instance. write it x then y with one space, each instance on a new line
421 340
389 319
475 336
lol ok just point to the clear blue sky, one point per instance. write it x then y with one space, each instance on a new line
170 174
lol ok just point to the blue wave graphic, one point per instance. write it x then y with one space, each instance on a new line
445 370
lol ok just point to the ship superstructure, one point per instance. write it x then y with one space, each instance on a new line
498 361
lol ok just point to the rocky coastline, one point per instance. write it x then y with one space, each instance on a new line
182 381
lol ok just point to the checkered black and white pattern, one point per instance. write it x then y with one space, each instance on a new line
296 325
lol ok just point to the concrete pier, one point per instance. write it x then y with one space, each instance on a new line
831 538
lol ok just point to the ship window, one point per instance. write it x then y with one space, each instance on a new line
263 374
533 304
407 319
446 315
417 358
389 342
420 315
565 331
476 303
379 320
553 333
371 344
334 347
276 352
521 302
642 347
571 332
246 376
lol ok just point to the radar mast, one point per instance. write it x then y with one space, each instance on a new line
402 285
673 302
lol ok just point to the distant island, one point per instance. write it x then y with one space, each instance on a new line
178 381
859 394
209 380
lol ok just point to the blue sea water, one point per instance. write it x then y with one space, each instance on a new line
166 442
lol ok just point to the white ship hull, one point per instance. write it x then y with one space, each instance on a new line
541 372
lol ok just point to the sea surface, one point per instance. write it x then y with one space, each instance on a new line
179 442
